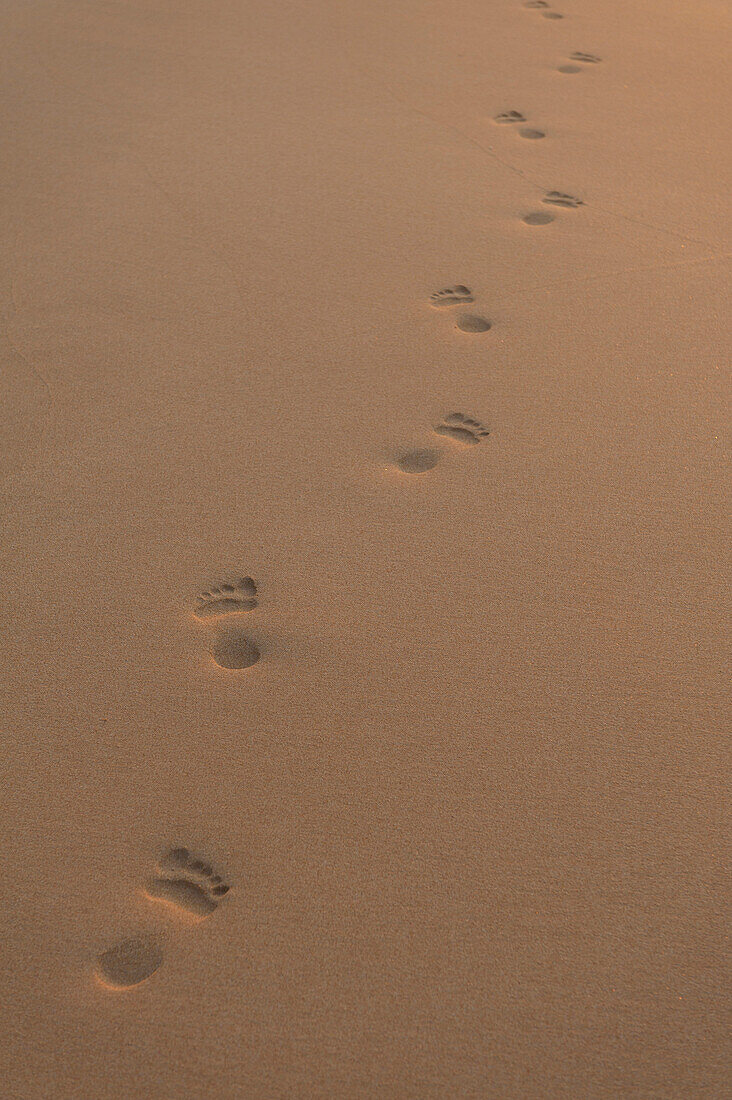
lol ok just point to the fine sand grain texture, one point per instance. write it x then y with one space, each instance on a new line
364 476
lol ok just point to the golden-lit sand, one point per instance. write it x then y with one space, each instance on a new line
364 488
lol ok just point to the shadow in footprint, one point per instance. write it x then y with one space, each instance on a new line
234 649
471 322
418 461
129 962
537 217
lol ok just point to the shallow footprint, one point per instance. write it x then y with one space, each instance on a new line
559 198
552 15
462 428
532 135
536 3
537 217
234 649
129 962
227 599
418 461
195 886
509 116
569 69
451 296
470 322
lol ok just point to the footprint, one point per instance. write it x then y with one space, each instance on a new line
418 461
470 322
462 428
552 15
536 3
194 885
129 962
569 69
558 198
532 135
537 217
509 116
451 296
234 649
585 58
227 599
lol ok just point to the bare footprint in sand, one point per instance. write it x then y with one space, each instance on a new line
506 117
552 15
227 599
530 134
585 58
129 962
187 883
456 426
451 296
559 198
462 428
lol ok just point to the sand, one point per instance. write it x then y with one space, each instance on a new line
444 710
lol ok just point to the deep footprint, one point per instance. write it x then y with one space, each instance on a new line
462 428
129 962
451 296
227 599
194 885
558 198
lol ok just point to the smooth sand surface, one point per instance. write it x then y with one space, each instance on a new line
468 800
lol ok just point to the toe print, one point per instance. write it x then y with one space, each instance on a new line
470 322
559 198
451 296
585 58
227 599
129 962
462 428
509 116
187 883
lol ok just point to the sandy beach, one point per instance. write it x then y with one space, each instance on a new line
365 490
